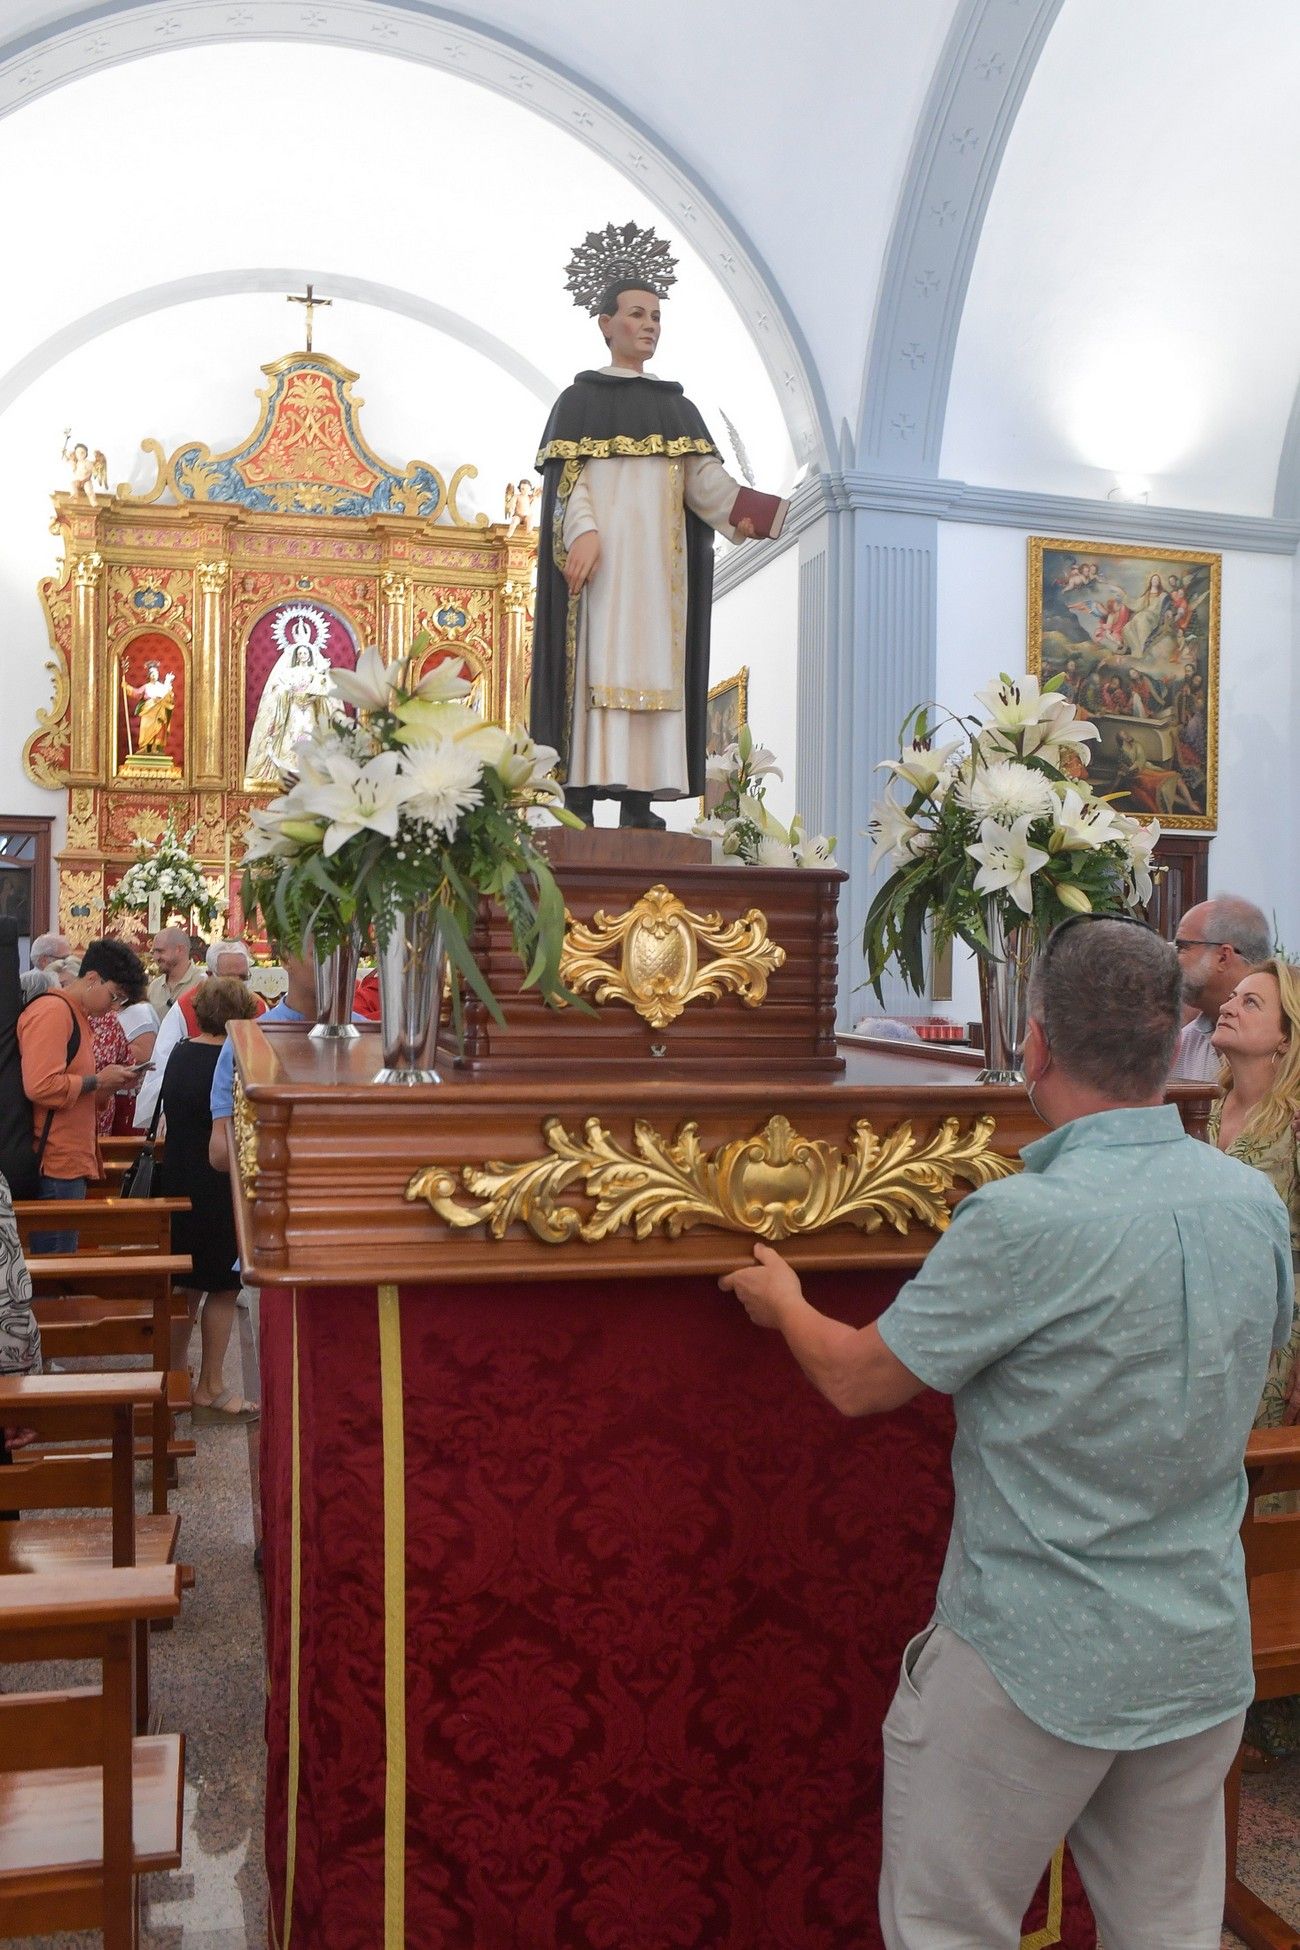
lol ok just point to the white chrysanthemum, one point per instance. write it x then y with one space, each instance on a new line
773 852
445 782
1006 792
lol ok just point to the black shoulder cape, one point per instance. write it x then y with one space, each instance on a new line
597 418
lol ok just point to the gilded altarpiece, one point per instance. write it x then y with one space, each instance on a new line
175 611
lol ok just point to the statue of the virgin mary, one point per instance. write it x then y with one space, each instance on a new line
296 701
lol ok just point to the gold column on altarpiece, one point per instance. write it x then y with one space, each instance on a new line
207 701
90 720
514 604
396 614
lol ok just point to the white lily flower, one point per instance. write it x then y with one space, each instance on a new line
1006 791
892 831
443 781
358 799
819 851
762 764
920 764
442 682
369 687
723 765
1086 823
435 718
1019 715
1007 861
1140 841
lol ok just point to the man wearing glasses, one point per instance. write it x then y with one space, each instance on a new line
1218 942
1103 1323
59 1078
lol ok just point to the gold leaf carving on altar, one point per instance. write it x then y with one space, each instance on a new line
245 1127
81 903
659 972
83 824
45 753
775 1184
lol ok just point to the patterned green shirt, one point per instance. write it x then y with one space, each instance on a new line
1103 1322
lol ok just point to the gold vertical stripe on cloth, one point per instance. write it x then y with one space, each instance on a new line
1051 1931
394 1436
295 1629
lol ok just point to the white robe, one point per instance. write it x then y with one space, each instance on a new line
629 708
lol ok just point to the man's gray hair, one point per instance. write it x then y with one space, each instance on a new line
1109 997
53 945
1241 925
217 949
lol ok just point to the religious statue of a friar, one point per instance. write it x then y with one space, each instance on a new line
632 488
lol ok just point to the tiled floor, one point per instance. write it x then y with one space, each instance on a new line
208 1680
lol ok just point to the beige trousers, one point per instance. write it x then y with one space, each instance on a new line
977 1798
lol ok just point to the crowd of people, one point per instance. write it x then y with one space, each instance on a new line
1110 1322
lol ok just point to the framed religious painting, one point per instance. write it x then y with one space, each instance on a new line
728 709
1133 634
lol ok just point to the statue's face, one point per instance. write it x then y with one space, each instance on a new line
632 330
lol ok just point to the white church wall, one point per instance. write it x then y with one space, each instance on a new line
982 630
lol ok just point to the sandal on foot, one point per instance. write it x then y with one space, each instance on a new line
219 1410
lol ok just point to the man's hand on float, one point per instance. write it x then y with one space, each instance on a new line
766 1290
582 561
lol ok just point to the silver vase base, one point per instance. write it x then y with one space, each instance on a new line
333 1032
1001 1076
409 1077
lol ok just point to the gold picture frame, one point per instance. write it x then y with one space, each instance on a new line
1134 631
726 712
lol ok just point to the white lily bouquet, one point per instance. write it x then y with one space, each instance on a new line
998 824
166 868
416 799
742 827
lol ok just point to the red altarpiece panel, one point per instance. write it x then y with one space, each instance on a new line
193 626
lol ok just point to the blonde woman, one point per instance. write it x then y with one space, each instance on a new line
1258 1037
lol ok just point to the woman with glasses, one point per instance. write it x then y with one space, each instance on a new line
1258 1038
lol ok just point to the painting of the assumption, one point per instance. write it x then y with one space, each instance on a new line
1134 636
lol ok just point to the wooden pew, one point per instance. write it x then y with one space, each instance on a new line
127 1311
87 1806
102 1224
116 1153
78 1408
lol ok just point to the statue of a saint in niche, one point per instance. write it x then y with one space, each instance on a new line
296 702
155 700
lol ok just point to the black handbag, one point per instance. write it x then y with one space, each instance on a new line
138 1178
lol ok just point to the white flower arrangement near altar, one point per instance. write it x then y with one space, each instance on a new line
998 823
418 799
166 869
740 826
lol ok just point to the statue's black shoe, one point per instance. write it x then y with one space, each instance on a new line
581 799
636 811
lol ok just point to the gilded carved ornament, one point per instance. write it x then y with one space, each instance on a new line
659 972
212 577
775 1184
40 763
245 1132
87 570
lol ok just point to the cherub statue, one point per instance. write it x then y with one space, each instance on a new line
510 507
88 472
526 492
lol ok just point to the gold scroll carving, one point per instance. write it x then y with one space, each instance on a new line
775 1183
659 972
245 1131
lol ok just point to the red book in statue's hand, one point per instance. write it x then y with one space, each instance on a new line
766 513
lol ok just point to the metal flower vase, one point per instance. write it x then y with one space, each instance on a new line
336 979
1004 995
411 965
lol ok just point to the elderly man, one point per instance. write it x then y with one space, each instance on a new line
1218 942
177 970
1103 1323
223 958
48 948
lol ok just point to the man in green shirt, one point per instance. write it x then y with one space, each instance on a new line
1103 1323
